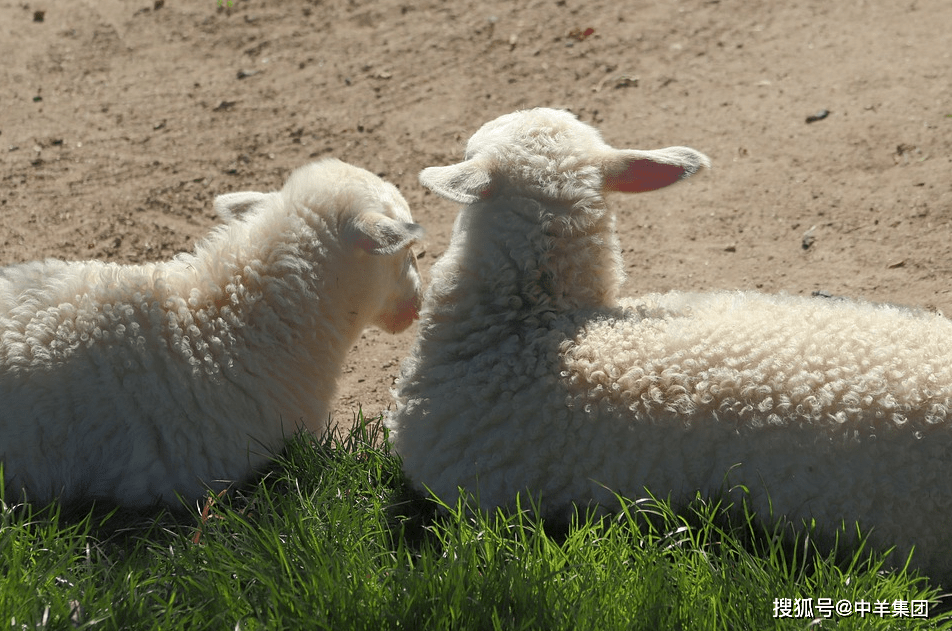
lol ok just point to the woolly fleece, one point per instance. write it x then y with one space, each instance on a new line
136 383
529 375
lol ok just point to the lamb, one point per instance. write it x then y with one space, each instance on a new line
529 374
154 383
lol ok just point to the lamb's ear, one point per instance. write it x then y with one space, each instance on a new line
376 233
633 171
465 182
233 205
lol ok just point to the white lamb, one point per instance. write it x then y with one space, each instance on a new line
136 383
530 375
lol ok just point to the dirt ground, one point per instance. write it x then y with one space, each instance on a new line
120 120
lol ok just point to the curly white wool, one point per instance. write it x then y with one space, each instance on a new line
139 382
530 375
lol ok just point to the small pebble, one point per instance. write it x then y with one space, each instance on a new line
808 238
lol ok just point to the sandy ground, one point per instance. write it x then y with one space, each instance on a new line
120 120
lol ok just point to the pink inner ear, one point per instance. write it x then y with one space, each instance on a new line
364 243
641 176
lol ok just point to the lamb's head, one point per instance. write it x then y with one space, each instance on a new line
550 154
376 233
533 182
360 229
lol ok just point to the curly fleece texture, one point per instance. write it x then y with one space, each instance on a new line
530 376
140 382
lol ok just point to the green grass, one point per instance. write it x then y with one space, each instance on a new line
331 539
